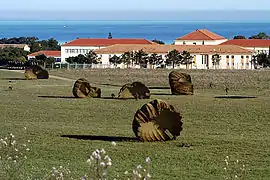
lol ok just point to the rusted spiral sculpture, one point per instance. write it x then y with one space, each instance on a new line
135 90
35 72
83 89
180 83
157 121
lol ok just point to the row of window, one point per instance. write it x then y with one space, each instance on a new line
247 64
242 57
77 51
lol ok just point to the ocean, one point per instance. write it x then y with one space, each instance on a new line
167 31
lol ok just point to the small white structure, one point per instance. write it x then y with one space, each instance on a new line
25 47
54 54
257 45
200 37
232 57
84 45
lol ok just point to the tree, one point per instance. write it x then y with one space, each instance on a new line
50 60
215 60
261 59
154 59
91 57
41 59
140 57
239 37
173 57
71 60
127 58
115 60
158 41
186 58
12 54
261 35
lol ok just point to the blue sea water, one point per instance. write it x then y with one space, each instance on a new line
166 31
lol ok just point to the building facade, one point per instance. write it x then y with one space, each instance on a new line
54 54
257 45
231 56
25 47
200 37
84 45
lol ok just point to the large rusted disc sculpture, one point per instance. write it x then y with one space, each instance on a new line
157 121
180 83
35 72
135 90
83 89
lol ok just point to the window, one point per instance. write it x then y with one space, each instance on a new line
232 64
247 64
194 43
232 57
242 64
66 50
247 57
228 64
227 57
110 56
184 42
242 57
57 59
72 50
77 51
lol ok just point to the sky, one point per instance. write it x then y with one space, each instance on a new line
131 9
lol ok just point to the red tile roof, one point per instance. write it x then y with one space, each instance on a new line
201 34
105 42
248 42
46 53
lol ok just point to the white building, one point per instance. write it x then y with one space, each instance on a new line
54 54
200 37
257 45
232 57
84 45
25 47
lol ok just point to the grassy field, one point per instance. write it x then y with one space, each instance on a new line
213 128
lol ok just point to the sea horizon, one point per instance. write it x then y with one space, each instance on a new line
164 30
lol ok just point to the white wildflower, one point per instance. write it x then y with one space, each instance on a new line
109 163
27 149
102 164
12 135
126 172
148 175
236 176
148 160
113 143
24 128
139 167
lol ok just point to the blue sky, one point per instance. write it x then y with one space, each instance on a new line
129 9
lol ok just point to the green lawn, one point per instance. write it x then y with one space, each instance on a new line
213 128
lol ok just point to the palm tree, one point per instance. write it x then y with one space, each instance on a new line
215 60
91 57
154 59
186 58
115 60
140 57
173 57
127 58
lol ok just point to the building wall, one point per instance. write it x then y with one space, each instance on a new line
259 49
201 61
26 48
57 58
199 42
72 51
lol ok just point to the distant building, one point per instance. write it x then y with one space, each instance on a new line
200 37
84 45
25 47
232 57
54 54
257 45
